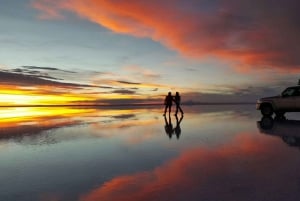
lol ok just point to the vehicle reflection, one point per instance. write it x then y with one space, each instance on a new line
287 130
170 131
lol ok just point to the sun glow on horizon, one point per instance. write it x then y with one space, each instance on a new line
16 97
53 96
27 99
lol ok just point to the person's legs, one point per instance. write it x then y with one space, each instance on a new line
170 109
166 107
177 106
180 109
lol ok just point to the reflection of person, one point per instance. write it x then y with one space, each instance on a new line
177 129
168 103
177 102
169 127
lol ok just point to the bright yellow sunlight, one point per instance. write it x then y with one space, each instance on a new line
18 97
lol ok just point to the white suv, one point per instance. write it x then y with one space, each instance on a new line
288 101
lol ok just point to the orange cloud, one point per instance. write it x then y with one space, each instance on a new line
202 173
235 30
18 89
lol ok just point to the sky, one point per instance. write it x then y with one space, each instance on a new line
135 51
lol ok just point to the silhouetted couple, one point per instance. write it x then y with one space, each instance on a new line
169 100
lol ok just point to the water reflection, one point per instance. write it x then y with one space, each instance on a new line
239 170
177 129
37 125
170 131
17 123
92 154
287 130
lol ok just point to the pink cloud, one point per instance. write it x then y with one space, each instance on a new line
260 34
50 8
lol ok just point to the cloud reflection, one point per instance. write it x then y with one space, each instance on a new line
235 170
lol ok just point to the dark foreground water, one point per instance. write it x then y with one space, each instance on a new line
213 153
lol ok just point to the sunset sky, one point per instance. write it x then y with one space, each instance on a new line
135 51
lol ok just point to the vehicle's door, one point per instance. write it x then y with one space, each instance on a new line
288 100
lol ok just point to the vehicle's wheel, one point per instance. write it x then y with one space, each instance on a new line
266 123
266 110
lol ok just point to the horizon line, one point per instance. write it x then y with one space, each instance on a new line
123 105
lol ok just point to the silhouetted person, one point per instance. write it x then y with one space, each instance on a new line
168 103
177 129
169 127
177 100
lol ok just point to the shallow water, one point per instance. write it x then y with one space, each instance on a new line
86 154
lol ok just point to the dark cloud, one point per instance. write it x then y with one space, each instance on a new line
47 68
132 101
126 82
37 67
123 91
33 73
124 116
105 87
16 79
49 77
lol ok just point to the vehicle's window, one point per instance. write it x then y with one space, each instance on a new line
289 92
297 92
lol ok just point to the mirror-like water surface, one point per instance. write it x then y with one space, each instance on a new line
87 154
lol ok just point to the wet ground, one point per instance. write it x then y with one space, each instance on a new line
86 154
